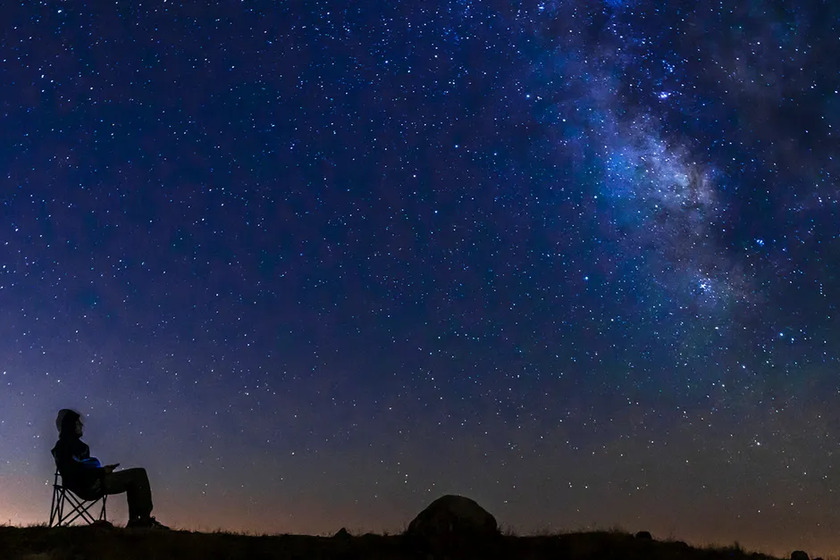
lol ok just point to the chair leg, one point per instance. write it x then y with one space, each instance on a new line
55 506
79 509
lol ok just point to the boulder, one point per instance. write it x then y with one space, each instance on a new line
644 536
799 555
452 518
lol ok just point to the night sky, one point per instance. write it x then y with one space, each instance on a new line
314 264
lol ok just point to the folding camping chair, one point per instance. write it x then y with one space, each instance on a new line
68 507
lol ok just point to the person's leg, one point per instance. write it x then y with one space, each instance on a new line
135 483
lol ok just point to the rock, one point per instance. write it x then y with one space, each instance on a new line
342 534
644 536
452 522
799 555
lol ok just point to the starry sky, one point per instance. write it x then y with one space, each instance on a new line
315 264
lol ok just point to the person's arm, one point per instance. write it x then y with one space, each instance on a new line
74 462
87 463
88 470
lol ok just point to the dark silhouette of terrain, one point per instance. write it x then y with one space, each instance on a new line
450 528
111 543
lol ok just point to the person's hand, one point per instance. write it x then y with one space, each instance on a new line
110 468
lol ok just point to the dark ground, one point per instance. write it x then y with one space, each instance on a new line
102 543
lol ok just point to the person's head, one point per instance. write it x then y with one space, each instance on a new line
69 423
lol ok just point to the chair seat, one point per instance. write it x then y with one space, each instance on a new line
68 507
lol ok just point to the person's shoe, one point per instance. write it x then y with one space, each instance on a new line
155 524
146 523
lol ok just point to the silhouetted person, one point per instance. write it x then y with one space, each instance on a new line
87 478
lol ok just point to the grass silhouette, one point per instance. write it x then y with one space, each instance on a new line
114 543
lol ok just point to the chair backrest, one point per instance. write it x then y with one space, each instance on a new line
68 507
